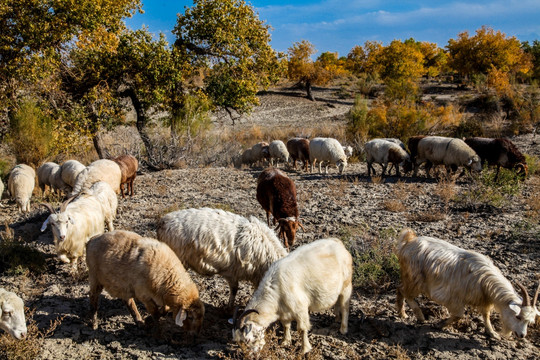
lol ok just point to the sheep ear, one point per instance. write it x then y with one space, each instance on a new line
515 308
469 162
180 317
45 223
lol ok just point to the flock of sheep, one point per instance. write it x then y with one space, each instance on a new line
314 277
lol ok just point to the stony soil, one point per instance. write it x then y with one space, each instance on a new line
330 205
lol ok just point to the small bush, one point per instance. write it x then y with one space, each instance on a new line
31 133
485 191
375 266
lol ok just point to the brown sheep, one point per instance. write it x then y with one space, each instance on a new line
277 195
299 150
131 267
499 152
128 166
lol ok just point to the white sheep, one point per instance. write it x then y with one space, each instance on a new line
107 199
278 151
348 150
12 318
260 152
129 266
213 241
327 150
100 170
21 183
451 152
50 175
396 141
456 278
76 222
314 277
382 152
70 170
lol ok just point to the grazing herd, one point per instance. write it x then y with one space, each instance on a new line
314 277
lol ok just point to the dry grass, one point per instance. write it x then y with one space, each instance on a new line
446 191
30 347
377 179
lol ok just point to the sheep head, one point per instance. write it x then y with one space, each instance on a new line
191 319
246 330
59 220
287 228
12 315
522 170
475 163
521 315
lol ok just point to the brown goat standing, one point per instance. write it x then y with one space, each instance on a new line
277 195
298 149
129 166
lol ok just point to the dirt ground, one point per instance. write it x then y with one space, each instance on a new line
330 205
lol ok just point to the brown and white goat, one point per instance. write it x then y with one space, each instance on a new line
299 150
456 278
277 195
499 152
128 166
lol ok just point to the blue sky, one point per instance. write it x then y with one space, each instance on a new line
339 25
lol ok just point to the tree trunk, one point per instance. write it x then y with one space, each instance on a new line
308 91
142 120
102 153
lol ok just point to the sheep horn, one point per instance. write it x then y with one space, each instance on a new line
522 168
246 312
300 224
525 295
48 206
65 203
234 317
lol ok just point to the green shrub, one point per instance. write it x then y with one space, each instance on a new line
31 134
375 266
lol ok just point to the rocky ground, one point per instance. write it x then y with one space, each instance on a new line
350 206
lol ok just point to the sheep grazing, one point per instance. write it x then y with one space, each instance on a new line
298 149
456 278
499 152
100 170
383 152
327 150
314 277
213 241
277 195
412 144
21 183
78 220
12 318
278 151
70 170
260 152
348 150
438 150
50 175
128 168
108 201
129 266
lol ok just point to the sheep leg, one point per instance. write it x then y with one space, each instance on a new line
369 169
286 332
95 291
397 169
487 322
343 312
416 309
233 285
122 190
304 325
153 310
383 166
400 304
132 307
497 173
446 322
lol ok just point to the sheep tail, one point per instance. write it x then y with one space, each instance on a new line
405 237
